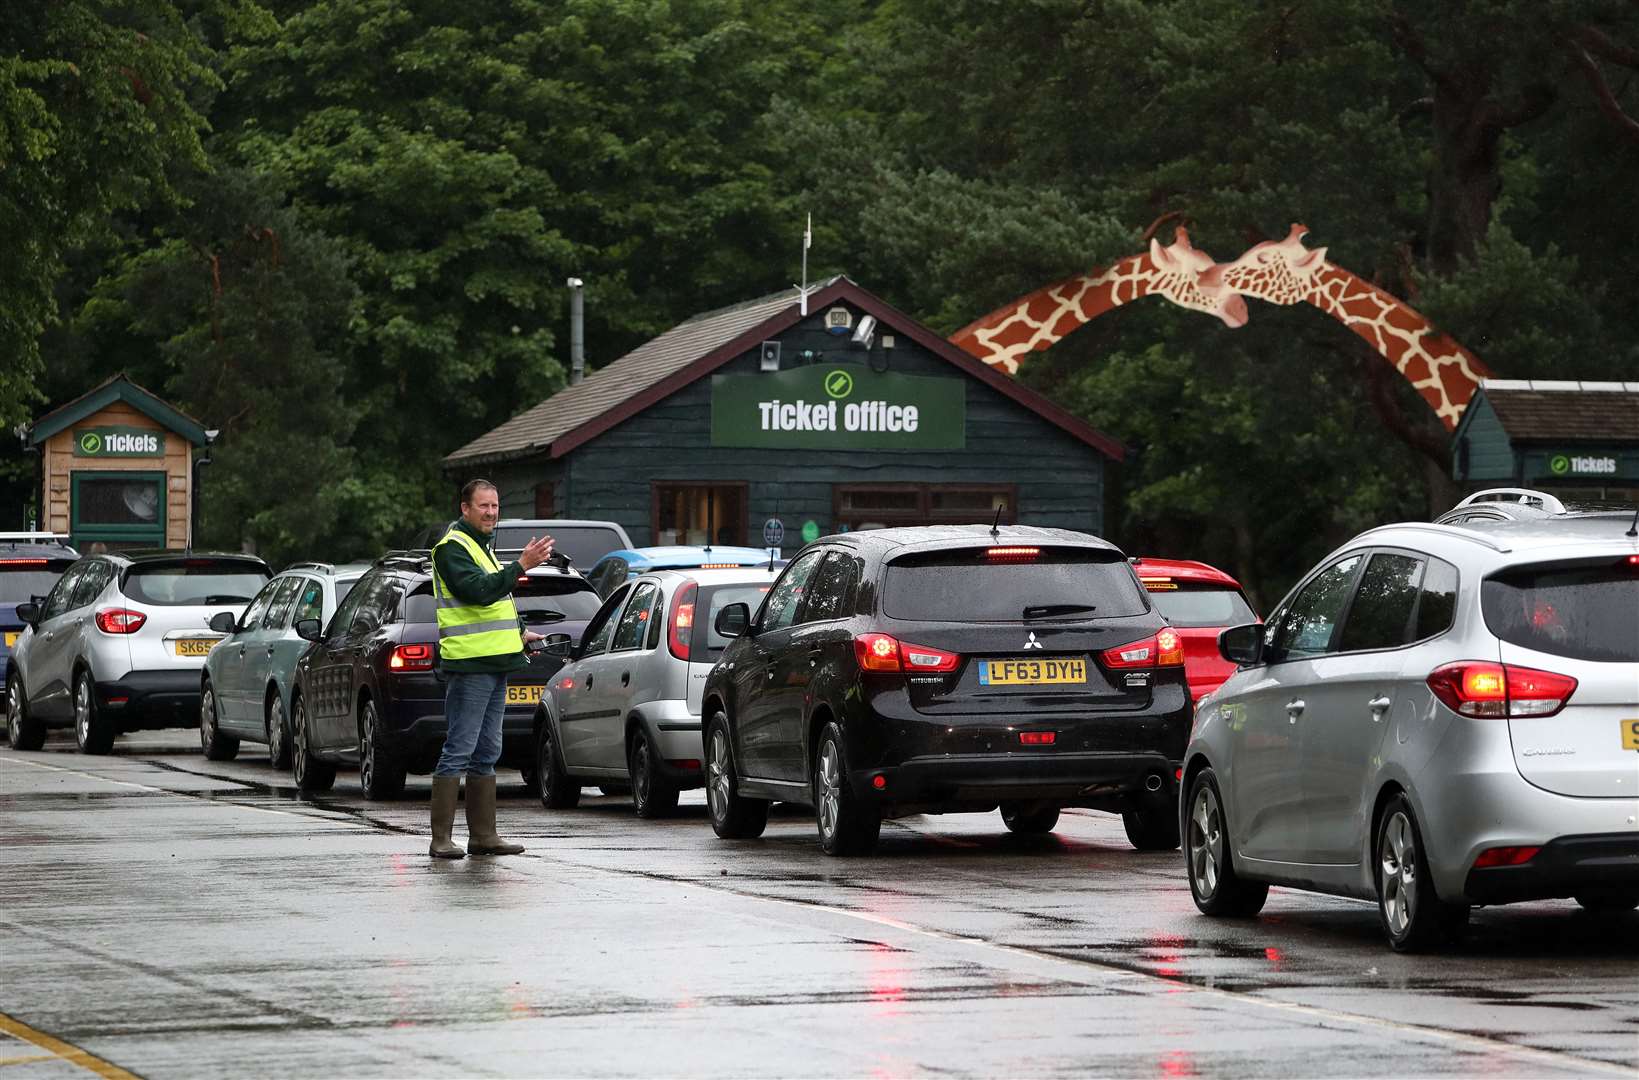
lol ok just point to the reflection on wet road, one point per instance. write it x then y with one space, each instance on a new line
176 917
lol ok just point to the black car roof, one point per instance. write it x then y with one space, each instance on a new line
907 538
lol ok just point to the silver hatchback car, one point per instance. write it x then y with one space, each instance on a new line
626 707
1436 717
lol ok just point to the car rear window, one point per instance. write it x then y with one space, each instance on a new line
584 545
971 585
539 601
714 598
1588 611
23 579
197 581
1186 606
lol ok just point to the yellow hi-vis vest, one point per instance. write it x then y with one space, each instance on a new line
470 631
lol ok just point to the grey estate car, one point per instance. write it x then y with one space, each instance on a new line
118 644
244 691
1435 717
627 704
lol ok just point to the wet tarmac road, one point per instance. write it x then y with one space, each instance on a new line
169 916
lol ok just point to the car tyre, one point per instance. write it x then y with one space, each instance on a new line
531 779
558 790
1208 861
733 816
93 733
1608 903
653 794
1413 916
310 774
1029 819
381 773
1152 828
278 732
23 732
216 745
847 824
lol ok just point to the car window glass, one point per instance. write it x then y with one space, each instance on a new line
376 607
1211 606
614 576
1306 624
252 618
93 579
278 609
344 613
636 619
602 626
1437 600
831 588
1586 611
309 601
780 609
1380 616
58 602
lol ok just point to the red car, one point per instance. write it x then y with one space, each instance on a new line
1199 601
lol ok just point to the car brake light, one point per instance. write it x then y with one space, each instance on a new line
120 620
411 658
22 562
1159 584
568 683
719 566
876 652
1012 554
1165 649
1038 738
1482 689
1505 856
680 631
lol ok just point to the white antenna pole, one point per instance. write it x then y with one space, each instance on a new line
807 241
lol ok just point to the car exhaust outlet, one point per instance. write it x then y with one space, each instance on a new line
1152 782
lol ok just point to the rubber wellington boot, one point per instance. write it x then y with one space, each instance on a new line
481 836
446 789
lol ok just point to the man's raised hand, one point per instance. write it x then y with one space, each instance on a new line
537 551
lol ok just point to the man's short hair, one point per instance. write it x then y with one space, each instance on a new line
471 489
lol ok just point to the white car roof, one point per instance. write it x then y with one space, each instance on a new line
739 575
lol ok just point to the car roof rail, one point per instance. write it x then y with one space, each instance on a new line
1454 531
1527 496
35 536
418 558
329 567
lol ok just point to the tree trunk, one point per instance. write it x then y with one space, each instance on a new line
1465 180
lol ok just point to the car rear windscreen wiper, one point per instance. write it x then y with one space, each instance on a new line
1039 611
224 598
544 615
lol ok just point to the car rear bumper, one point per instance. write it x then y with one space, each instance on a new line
414 729
981 781
676 733
1566 866
145 700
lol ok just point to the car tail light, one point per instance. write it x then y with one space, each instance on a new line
879 652
1038 738
1165 649
1159 584
411 658
680 630
1480 688
1505 856
1012 554
719 566
876 652
120 620
22 562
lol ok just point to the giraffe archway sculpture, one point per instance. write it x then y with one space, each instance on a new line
1281 272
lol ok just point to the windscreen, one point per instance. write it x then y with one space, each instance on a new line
1203 607
25 579
194 582
584 544
714 598
972 585
1587 611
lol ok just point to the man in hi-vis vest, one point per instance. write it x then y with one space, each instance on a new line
480 640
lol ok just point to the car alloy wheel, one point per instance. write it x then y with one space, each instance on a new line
278 733
216 745
733 816
830 790
380 777
848 824
82 712
21 732
558 791
1397 863
1413 915
1206 841
1209 863
310 773
717 776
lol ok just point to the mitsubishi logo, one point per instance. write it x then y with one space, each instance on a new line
1031 642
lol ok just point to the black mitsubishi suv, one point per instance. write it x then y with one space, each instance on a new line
952 669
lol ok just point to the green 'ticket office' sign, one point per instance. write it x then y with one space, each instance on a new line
118 442
838 407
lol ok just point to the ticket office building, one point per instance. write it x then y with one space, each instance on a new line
1578 441
848 416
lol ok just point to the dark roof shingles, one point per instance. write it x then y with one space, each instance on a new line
1557 415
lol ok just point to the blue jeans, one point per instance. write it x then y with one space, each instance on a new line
473 705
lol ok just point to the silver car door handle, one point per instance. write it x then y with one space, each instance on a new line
1379 705
625 678
1294 709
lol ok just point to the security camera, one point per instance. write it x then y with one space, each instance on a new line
211 434
864 332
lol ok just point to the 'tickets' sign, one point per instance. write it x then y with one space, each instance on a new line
838 406
123 442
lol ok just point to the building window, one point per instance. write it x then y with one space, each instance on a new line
699 513
545 499
118 506
879 506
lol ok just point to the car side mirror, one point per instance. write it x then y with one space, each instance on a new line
558 645
308 629
1242 645
223 622
29 613
733 621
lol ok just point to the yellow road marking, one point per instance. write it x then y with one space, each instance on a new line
29 1060
67 1051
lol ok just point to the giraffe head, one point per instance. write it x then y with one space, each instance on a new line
1280 272
1183 277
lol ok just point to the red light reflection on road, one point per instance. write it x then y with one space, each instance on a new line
1177 1063
1276 958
